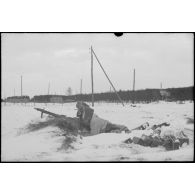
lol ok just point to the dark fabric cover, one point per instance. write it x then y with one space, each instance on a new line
156 142
183 140
128 141
137 140
147 140
171 143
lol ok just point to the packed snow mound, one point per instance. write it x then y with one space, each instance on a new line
66 125
48 143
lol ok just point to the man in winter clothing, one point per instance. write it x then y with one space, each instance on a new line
95 124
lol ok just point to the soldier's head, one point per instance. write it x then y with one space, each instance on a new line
81 105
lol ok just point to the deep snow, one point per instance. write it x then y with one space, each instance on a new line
45 144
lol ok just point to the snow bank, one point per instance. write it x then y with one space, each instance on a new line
45 144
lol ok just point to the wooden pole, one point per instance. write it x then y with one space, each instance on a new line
4 99
14 95
133 86
107 77
21 85
81 86
92 92
134 80
48 88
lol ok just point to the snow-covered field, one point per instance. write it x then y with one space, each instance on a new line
45 144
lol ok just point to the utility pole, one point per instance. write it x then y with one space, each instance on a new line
21 85
134 80
133 86
107 77
92 94
48 88
81 86
5 99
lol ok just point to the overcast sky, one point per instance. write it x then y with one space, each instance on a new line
64 59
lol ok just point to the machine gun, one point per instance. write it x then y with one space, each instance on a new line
64 122
49 113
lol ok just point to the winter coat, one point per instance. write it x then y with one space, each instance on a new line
97 125
85 114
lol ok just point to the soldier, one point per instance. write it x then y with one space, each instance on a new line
95 124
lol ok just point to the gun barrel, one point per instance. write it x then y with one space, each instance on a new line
47 112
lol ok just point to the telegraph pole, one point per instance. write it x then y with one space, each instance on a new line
92 94
21 85
133 86
48 88
81 86
107 77
5 100
134 80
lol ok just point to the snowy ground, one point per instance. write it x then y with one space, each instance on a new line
45 144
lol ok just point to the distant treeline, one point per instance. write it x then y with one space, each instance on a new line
18 97
146 95
47 98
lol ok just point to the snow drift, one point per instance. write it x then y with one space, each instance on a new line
27 137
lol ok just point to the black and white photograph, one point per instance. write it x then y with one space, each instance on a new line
97 97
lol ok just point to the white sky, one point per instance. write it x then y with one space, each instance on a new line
63 59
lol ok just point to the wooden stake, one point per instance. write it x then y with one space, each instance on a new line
107 77
92 94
